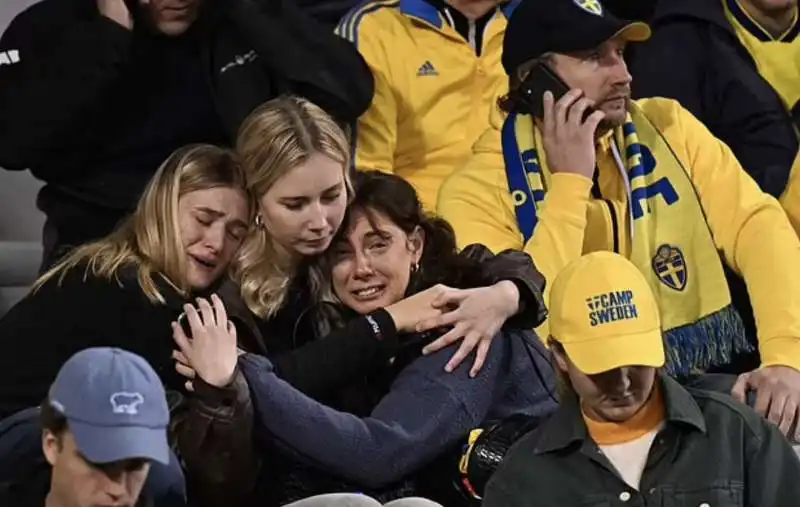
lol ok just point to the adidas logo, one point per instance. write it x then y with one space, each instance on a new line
9 57
427 69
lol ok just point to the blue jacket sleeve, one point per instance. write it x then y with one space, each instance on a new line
425 412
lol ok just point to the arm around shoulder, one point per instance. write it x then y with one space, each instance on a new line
344 354
517 267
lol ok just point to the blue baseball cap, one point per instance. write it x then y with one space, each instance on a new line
115 406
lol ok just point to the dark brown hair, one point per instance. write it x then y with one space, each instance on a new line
395 198
51 419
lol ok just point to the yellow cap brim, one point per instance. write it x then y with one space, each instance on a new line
634 32
606 354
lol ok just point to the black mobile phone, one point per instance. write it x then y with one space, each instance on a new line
530 93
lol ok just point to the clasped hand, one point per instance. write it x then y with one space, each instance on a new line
474 317
211 352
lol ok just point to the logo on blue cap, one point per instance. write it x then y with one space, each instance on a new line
126 403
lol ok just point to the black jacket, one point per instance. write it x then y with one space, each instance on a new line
47 327
712 451
92 108
695 57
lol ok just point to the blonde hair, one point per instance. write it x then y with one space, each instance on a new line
274 139
150 239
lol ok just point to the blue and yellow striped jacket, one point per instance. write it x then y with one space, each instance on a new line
433 93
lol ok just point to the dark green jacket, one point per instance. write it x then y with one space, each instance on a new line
711 452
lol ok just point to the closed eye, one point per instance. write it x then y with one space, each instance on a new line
331 197
294 204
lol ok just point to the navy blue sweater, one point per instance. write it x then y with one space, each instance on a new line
425 413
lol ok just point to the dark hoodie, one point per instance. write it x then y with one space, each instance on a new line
695 57
92 109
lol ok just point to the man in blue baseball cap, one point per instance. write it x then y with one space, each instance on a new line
105 421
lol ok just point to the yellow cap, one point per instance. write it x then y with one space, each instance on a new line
603 312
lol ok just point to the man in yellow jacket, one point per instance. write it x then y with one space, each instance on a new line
437 71
644 179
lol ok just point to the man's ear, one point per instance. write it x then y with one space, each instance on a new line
51 445
416 243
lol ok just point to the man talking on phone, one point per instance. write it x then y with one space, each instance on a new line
95 94
562 176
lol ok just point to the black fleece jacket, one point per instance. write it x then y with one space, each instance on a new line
93 108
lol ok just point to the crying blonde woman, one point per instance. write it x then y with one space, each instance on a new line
124 290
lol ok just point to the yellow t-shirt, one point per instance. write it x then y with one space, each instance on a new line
777 58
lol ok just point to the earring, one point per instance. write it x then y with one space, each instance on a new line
414 267
259 221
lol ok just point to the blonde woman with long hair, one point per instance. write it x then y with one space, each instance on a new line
297 160
125 289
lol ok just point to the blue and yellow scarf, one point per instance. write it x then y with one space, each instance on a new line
670 240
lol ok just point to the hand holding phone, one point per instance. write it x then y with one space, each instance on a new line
569 141
567 120
529 96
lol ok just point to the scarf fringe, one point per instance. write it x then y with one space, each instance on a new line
711 341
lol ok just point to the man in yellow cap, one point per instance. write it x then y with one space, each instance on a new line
624 431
